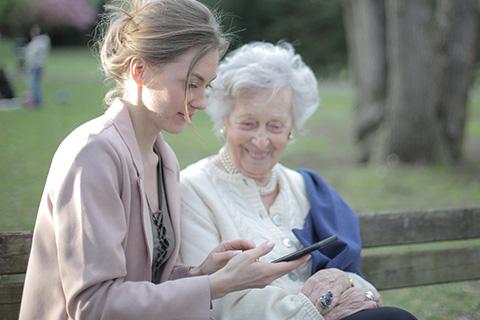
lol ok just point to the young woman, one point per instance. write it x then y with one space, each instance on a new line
107 233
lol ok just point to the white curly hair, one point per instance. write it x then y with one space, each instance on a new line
261 65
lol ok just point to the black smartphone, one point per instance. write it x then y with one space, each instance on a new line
300 253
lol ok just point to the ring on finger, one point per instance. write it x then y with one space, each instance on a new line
369 295
326 299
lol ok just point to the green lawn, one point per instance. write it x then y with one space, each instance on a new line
29 139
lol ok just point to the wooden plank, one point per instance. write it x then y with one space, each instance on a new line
14 251
9 311
10 297
11 293
417 226
428 266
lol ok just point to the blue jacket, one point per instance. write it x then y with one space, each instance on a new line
330 215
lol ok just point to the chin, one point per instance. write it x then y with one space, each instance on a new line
175 130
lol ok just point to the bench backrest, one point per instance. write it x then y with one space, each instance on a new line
401 249
14 250
419 247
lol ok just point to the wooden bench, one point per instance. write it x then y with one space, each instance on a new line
420 247
402 249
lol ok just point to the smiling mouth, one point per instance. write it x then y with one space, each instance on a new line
258 156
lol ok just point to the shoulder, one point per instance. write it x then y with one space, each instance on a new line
44 40
110 134
201 180
95 145
292 187
313 180
92 134
196 171
292 177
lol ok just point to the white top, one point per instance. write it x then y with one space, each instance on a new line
217 206
36 52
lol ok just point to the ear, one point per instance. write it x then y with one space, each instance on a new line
137 71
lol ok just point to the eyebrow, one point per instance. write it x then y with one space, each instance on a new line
249 115
200 77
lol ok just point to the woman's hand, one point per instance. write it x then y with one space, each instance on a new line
351 301
244 271
346 300
334 280
219 256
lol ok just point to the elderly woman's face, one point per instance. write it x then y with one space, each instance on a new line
257 131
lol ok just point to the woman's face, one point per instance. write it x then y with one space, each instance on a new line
164 91
257 132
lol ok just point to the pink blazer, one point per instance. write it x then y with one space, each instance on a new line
91 254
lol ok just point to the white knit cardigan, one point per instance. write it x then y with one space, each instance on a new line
218 206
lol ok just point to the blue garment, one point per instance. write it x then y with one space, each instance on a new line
330 215
34 78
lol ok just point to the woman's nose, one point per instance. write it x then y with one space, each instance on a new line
260 139
199 102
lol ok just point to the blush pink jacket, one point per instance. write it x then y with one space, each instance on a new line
91 254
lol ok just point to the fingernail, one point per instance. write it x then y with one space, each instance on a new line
237 252
271 244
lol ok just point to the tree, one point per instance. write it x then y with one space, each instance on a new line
315 28
455 47
368 61
411 119
429 54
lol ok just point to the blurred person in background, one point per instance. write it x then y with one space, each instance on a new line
6 89
36 55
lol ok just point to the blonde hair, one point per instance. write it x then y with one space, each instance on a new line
156 31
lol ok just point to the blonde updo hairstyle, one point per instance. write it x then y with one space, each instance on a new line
156 31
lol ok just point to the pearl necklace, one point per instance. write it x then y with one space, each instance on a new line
228 165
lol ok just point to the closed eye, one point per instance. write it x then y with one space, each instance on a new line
248 125
275 127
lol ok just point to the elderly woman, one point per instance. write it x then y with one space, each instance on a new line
261 98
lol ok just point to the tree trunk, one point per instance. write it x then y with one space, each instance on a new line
428 65
365 28
411 119
455 45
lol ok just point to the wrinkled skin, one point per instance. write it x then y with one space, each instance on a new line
347 300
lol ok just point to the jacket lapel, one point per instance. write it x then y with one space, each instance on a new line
120 118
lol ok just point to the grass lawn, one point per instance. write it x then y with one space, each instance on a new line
29 139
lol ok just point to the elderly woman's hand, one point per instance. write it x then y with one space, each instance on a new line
344 300
334 280
352 301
